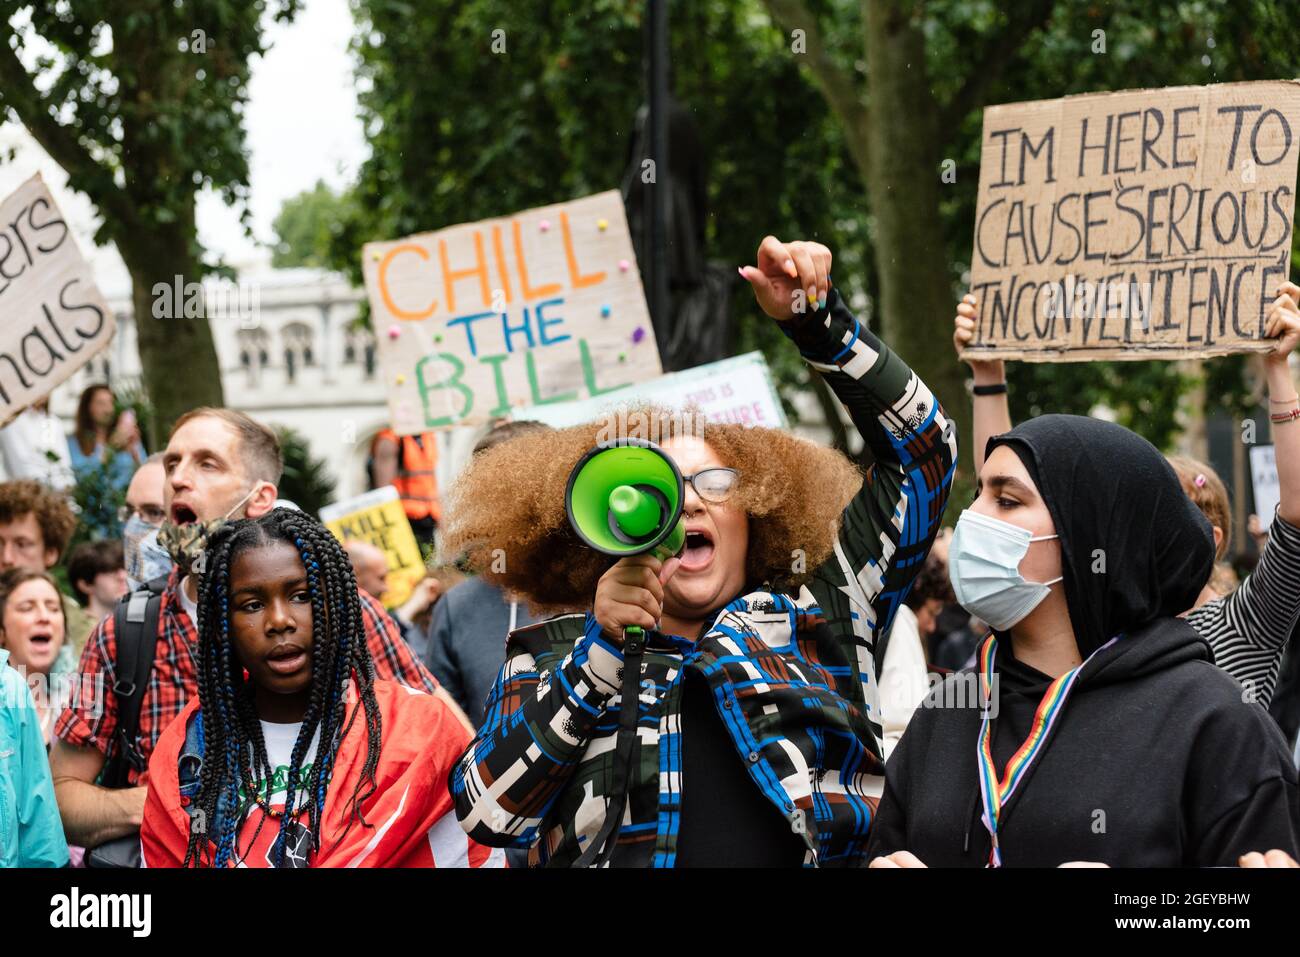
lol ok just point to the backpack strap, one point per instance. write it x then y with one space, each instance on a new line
601 848
135 627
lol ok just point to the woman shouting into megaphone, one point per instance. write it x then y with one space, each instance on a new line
755 735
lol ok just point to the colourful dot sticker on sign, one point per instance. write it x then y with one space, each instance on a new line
401 379
622 357
544 225
437 338
394 331
602 224
604 312
638 334
624 265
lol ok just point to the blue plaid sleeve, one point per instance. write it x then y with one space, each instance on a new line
887 529
537 723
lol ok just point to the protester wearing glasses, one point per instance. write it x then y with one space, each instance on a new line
144 496
757 733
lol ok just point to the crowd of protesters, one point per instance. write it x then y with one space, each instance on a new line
822 676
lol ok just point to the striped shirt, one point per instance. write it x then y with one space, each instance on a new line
792 677
1248 629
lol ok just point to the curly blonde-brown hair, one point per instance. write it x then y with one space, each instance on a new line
22 497
505 515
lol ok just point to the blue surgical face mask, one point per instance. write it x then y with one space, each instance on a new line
145 558
984 567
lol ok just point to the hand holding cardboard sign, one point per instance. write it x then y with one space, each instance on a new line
790 278
987 371
1283 322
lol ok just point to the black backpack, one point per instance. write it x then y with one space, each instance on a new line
135 628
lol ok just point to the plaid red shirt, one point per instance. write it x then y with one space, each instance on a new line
92 719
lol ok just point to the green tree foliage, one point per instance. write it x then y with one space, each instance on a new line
97 501
305 227
142 103
306 481
826 119
552 117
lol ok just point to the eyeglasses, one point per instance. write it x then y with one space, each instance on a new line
714 485
149 514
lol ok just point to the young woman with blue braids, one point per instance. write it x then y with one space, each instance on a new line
293 753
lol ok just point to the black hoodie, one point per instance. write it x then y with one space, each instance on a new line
1155 759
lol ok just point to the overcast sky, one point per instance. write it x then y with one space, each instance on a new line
301 126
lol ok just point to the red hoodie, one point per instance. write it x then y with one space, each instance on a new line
413 823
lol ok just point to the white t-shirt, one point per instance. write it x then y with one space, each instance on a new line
34 446
191 607
256 831
280 739
904 682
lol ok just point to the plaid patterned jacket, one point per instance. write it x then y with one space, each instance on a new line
91 720
793 677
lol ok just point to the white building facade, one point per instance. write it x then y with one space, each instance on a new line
293 354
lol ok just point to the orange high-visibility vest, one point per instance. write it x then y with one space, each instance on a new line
416 481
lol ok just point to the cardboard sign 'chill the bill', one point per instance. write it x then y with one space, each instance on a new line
53 319
1135 225
483 318
377 517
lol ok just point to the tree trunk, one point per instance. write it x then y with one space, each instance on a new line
904 146
178 355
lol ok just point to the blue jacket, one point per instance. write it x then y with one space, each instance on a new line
31 831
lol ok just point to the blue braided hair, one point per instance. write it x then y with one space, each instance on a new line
234 755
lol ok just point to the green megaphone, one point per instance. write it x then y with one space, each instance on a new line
626 499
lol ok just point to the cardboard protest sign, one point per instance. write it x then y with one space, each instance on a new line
53 319
477 320
1135 225
739 389
377 517
1264 483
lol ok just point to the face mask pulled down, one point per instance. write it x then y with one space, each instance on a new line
984 567
186 544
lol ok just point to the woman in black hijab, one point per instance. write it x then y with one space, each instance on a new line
1109 736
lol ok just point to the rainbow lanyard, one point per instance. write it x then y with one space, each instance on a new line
994 793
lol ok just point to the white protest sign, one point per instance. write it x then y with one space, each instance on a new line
477 320
53 319
1263 476
739 390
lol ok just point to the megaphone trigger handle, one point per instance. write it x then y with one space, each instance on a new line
633 639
